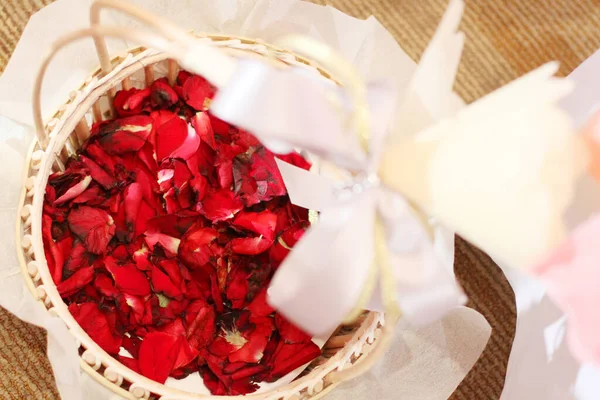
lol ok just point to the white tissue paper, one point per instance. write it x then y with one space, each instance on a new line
427 363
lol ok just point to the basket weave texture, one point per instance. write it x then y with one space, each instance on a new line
504 40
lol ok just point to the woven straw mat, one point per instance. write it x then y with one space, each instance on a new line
504 39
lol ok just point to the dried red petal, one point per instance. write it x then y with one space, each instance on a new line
133 201
237 286
130 363
220 127
296 160
128 278
301 354
132 344
77 281
197 92
289 332
213 384
98 174
95 323
158 354
93 196
105 286
130 102
259 306
74 191
220 205
263 223
286 241
77 258
194 249
202 124
163 95
95 227
248 372
140 257
138 308
250 246
257 340
168 243
200 321
145 214
175 139
126 134
162 283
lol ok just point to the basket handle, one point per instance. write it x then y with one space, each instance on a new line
175 49
162 25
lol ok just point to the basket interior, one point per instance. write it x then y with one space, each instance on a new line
69 129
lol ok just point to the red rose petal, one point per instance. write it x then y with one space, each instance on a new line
263 223
158 354
194 249
290 332
259 306
200 320
126 134
220 205
196 92
174 139
168 243
132 345
130 363
252 351
95 227
145 214
213 384
250 246
95 323
130 102
98 174
295 159
140 257
138 307
77 281
93 196
302 354
163 95
128 278
202 124
105 286
286 241
162 283
74 191
77 258
248 371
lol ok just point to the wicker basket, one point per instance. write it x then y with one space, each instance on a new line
60 138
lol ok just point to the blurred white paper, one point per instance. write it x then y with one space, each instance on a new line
424 364
540 364
442 353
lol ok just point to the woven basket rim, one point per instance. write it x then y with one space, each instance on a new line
35 268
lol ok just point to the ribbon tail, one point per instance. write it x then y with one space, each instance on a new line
501 173
298 181
323 277
424 284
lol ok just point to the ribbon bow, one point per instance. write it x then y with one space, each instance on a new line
499 172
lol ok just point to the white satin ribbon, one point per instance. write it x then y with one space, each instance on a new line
321 280
499 172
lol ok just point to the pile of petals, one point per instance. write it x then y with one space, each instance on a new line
163 234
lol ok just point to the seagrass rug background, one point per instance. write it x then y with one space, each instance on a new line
504 39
